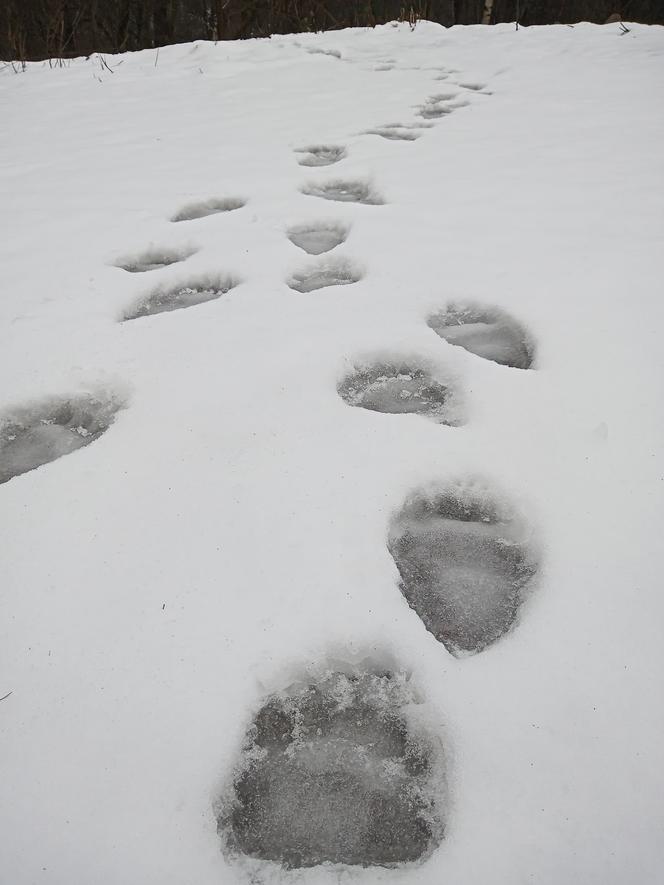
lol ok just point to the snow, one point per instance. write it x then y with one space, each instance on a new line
228 531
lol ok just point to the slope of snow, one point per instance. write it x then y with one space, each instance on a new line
228 531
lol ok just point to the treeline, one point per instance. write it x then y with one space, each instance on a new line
37 29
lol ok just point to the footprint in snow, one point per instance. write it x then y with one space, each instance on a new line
315 238
154 259
437 106
399 388
344 191
395 133
442 96
333 53
465 565
474 87
37 434
208 207
434 111
333 272
321 155
333 771
487 332
168 297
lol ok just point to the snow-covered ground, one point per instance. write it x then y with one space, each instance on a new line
229 530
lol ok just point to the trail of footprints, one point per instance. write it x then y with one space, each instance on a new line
336 769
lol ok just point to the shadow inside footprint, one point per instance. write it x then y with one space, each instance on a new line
474 87
208 207
487 332
337 272
344 192
321 155
167 298
332 772
316 238
464 566
38 434
399 389
154 259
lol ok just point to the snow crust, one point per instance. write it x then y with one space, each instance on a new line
229 529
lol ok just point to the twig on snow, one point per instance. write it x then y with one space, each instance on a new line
105 64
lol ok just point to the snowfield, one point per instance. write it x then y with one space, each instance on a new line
317 339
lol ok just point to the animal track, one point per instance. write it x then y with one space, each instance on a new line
154 259
318 237
442 96
321 155
335 272
168 297
433 111
208 207
344 192
464 565
45 431
398 389
394 133
333 772
487 332
334 53
437 105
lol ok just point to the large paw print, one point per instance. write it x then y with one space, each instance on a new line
37 434
333 772
487 332
465 565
